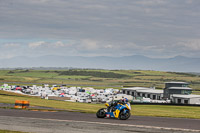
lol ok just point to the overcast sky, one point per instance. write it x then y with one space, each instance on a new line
153 28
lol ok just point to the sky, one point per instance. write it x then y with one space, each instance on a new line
153 28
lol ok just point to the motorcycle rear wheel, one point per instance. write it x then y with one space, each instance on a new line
101 113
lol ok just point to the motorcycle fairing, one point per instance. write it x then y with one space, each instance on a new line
119 107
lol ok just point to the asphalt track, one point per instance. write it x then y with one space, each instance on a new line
72 122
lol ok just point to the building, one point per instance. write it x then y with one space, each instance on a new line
180 93
151 93
144 92
172 88
176 84
186 99
133 91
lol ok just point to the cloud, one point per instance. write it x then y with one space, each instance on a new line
59 44
151 2
48 44
11 45
101 27
109 46
189 1
88 44
193 45
36 44
39 1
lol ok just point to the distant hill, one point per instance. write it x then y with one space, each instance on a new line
136 62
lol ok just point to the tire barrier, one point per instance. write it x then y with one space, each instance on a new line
25 104
18 104
21 104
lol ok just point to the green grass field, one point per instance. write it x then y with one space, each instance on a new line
99 78
140 110
8 131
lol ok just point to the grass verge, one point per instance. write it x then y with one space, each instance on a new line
139 110
8 131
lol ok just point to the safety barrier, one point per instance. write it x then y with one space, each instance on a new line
21 104
25 104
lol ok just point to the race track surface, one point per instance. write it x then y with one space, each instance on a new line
37 121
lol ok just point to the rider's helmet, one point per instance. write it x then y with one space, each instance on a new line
125 100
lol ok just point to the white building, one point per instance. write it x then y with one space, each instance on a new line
144 92
185 99
133 90
150 93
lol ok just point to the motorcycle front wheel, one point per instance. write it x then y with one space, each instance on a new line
124 114
101 113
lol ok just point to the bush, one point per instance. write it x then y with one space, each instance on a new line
94 74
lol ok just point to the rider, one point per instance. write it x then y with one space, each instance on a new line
114 103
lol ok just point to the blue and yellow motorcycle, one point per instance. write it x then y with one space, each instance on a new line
117 110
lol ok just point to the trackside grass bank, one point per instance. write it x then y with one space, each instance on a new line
99 79
8 131
140 110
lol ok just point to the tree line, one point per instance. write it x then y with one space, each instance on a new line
93 73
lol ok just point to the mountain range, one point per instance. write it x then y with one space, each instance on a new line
135 62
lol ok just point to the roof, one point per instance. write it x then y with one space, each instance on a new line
179 88
173 82
122 95
151 91
137 88
185 96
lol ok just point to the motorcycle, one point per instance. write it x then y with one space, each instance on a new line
119 110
